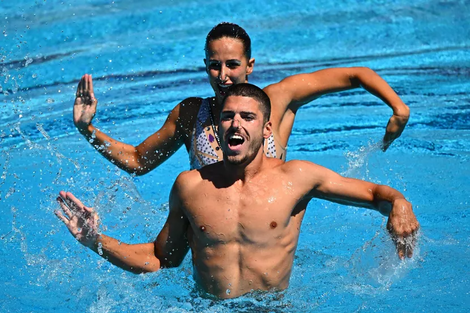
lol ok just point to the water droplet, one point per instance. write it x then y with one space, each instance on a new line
34 75
227 291
50 100
28 61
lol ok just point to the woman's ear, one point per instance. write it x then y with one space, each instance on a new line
205 65
250 65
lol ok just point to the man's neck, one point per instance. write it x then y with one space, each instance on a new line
245 171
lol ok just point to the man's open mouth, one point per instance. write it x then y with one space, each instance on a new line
235 140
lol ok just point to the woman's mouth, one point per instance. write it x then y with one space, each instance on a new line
223 89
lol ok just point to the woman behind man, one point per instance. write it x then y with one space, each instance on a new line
193 121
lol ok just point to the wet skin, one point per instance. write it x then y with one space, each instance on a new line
241 217
226 65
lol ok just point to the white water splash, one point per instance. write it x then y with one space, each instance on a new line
358 160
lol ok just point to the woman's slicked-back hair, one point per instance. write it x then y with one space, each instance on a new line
230 30
254 92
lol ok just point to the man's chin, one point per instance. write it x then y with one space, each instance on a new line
235 159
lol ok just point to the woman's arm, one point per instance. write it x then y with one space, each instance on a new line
291 93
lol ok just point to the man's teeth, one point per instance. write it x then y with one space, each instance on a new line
236 137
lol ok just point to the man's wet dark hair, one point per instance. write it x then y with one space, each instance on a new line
251 91
230 30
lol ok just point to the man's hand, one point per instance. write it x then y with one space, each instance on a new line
84 108
396 125
81 221
403 225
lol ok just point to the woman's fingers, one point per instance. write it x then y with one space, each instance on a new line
90 85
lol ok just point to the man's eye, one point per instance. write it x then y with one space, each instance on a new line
214 65
233 65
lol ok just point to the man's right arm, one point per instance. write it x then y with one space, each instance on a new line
137 160
168 250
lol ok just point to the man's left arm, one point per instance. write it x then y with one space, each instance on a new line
300 89
402 223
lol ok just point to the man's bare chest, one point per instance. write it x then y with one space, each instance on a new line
252 214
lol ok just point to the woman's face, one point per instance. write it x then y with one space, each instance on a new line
226 65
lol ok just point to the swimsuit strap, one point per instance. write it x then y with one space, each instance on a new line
202 151
204 145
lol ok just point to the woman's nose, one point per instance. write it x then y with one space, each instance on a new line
223 74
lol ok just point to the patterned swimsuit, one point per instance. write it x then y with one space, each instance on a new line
204 146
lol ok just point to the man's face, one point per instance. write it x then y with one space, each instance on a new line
242 129
226 65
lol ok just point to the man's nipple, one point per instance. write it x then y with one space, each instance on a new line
273 225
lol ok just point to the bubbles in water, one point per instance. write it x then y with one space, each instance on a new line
28 61
50 100
10 192
42 131
34 75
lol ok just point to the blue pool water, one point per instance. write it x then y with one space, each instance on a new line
145 58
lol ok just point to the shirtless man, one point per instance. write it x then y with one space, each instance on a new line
240 217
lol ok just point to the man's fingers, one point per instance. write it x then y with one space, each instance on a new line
61 217
73 206
401 248
66 210
74 201
409 251
405 245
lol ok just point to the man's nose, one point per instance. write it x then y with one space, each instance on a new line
236 123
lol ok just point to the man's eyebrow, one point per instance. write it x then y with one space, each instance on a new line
226 111
247 113
231 60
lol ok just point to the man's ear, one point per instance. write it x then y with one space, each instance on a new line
250 65
268 129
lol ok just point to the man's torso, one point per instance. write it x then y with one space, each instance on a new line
243 236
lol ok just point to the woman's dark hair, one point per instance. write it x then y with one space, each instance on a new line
230 30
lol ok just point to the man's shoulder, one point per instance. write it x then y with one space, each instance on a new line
296 165
301 168
189 179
